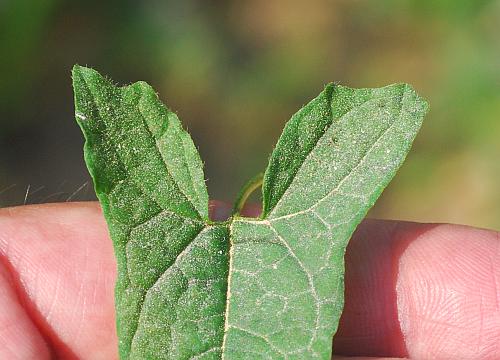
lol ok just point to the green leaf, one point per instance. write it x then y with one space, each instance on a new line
333 160
172 265
272 287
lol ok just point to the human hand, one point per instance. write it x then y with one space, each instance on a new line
418 290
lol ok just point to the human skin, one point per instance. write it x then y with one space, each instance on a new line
412 290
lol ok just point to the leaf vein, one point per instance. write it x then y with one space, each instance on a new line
347 176
173 263
316 144
309 279
157 148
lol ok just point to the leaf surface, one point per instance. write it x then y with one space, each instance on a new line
272 287
333 160
172 266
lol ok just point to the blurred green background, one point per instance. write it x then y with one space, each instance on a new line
236 71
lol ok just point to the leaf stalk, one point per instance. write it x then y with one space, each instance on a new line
247 190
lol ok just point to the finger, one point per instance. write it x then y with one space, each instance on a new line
423 291
363 358
19 337
63 266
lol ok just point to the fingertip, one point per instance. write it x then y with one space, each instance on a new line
447 293
421 290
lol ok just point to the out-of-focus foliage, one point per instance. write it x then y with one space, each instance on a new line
236 71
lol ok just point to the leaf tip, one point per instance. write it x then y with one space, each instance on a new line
76 68
82 73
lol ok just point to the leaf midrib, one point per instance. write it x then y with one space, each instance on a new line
150 133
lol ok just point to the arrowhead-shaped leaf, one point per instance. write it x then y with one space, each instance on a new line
272 287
